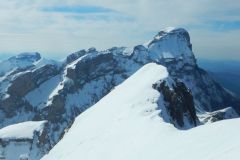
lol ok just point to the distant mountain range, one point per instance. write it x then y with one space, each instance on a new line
116 102
227 73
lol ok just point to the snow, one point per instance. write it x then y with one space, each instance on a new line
85 95
21 116
54 92
15 151
128 51
131 111
171 43
24 130
29 62
167 55
39 97
25 60
226 113
20 61
91 53
89 94
170 29
125 124
4 86
43 61
20 141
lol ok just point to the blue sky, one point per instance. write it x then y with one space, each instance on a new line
58 27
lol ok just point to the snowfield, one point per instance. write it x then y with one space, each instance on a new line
125 125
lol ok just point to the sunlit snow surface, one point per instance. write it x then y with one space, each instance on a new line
125 125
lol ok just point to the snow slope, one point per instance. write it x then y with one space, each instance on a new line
125 125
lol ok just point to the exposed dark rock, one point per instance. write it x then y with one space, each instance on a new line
30 80
179 104
89 69
22 85
56 109
74 56
12 105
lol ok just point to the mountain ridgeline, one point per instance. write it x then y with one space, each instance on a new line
33 88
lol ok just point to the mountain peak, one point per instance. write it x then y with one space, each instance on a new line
34 56
171 43
20 61
172 31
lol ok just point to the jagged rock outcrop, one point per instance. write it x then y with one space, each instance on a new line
179 104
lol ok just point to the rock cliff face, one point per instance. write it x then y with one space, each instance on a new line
32 88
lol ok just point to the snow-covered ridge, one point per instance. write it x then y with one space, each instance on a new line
24 130
23 61
168 45
128 126
140 101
